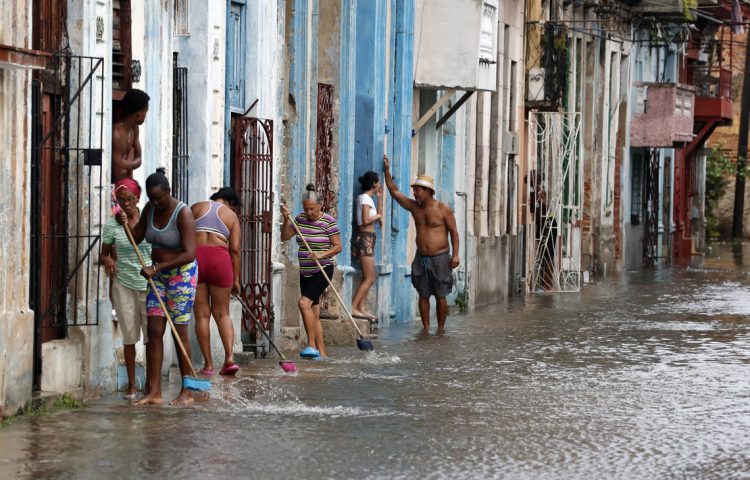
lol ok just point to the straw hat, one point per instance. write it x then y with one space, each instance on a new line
425 181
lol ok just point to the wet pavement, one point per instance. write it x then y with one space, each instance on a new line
643 375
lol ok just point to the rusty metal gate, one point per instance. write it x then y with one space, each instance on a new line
324 148
324 166
253 180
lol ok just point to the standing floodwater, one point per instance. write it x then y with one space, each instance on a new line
641 376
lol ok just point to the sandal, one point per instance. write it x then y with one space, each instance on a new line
209 372
230 369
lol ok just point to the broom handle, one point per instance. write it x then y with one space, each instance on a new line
330 284
161 302
258 325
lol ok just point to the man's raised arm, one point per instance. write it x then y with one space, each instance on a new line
402 199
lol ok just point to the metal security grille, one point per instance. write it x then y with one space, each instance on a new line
555 205
180 155
68 194
651 209
324 148
253 180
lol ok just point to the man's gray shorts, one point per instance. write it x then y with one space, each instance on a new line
432 275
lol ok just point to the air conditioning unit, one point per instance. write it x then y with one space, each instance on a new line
535 85
510 143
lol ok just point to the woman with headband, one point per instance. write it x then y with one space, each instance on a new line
129 288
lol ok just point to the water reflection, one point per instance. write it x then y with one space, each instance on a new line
643 376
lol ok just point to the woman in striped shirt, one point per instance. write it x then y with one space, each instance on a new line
322 234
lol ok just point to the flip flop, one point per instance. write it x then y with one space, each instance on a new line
361 316
229 369
209 372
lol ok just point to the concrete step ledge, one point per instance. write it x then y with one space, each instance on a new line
341 332
243 359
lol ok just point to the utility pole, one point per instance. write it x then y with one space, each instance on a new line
739 185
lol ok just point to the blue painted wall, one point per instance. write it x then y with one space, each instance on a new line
373 112
300 86
367 94
369 122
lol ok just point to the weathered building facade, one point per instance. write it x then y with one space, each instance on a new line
566 137
642 85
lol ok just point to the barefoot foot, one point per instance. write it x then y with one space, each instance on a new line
150 399
183 399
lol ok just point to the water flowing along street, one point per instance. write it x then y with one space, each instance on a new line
644 375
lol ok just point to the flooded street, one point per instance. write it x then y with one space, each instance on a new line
644 375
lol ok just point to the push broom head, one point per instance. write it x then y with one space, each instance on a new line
196 384
365 345
287 366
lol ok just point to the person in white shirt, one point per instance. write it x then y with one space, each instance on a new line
363 240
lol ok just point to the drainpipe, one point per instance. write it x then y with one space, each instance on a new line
466 243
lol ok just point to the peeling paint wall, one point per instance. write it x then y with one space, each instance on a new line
202 51
16 320
152 28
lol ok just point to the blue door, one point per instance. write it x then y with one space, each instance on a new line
235 73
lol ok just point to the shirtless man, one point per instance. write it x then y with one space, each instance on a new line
126 147
432 268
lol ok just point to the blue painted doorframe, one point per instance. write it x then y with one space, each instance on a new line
373 111
236 54
347 118
403 306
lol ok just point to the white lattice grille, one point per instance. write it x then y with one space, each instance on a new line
554 183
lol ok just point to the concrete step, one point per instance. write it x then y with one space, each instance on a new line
244 359
341 332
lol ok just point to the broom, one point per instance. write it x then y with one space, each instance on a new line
188 382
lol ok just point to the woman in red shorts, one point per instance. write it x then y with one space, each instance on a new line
217 235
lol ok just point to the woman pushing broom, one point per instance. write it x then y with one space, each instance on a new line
319 241
168 225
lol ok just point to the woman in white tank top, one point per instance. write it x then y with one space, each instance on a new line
363 240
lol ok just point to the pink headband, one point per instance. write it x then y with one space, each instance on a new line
128 184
